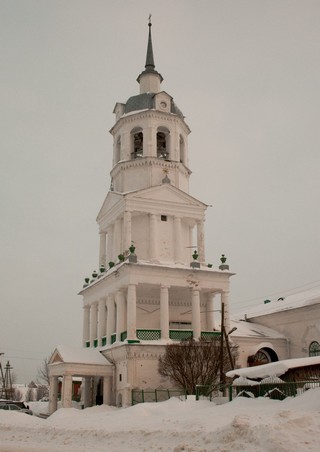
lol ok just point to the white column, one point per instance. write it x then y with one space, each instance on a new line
174 145
67 391
153 237
225 301
53 394
117 235
131 312
102 320
191 241
127 229
103 248
93 323
164 311
125 146
86 325
150 142
210 312
177 240
110 254
196 319
107 383
200 240
87 392
121 314
169 147
111 318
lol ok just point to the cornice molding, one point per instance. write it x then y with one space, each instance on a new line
149 161
149 114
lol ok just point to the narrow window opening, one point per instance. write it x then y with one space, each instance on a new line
162 152
118 150
163 217
182 150
120 377
137 145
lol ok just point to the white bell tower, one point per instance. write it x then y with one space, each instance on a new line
150 136
150 175
149 290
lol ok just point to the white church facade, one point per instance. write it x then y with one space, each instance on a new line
153 285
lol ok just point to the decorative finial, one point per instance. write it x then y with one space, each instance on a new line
166 179
149 20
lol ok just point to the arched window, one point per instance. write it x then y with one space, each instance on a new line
182 150
137 143
162 143
314 349
118 148
263 356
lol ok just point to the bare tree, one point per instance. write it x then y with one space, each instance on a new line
43 371
28 395
17 394
42 391
191 363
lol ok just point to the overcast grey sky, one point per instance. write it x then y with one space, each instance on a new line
245 73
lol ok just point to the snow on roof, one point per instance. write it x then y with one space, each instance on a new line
251 329
273 379
273 369
81 355
294 301
243 381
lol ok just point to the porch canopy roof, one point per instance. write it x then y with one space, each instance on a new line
274 369
82 362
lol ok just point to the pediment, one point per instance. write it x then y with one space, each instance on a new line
168 194
110 201
55 358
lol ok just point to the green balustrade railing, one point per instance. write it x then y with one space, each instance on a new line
180 335
123 336
87 344
95 343
210 334
155 335
148 335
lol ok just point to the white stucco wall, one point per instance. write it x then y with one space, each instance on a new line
301 326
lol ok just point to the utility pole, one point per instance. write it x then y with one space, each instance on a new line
6 382
222 379
226 336
2 379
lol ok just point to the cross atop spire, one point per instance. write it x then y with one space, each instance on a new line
149 59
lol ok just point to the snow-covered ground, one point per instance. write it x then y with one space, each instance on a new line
241 425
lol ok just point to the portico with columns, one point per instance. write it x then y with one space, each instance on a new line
150 302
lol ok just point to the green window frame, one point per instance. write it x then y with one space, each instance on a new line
314 349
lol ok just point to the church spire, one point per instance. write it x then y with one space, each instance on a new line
149 66
149 79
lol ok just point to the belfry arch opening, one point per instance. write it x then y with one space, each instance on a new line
137 143
163 144
117 150
182 148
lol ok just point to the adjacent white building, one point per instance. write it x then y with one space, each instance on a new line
296 317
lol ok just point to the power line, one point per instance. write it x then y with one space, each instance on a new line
283 292
24 357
